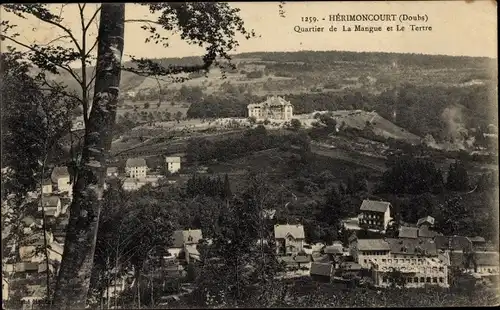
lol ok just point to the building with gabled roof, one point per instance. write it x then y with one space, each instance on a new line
321 272
112 172
173 163
184 244
374 215
136 168
275 108
427 220
416 232
367 251
289 238
61 177
47 187
453 243
479 263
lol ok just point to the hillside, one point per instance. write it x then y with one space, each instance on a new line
415 92
387 66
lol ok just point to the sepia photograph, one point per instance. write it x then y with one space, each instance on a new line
280 154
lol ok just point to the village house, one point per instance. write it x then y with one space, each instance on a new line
52 206
185 243
173 164
300 264
136 168
423 229
274 108
60 176
132 184
30 224
418 261
453 243
46 187
321 272
479 263
28 249
375 215
289 239
112 172
366 252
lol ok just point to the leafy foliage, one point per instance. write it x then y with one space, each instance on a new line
415 176
457 177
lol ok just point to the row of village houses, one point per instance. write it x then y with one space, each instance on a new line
421 255
56 197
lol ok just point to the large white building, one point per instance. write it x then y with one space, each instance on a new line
136 168
416 260
274 108
375 215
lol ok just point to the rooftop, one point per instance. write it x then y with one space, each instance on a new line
321 269
477 239
375 206
136 162
298 259
334 249
425 232
173 159
424 247
112 170
453 243
59 172
408 232
373 245
282 231
428 219
350 266
271 101
51 201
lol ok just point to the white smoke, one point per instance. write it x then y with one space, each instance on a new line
456 131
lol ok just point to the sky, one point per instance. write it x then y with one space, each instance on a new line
458 28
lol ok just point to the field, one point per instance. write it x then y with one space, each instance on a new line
164 107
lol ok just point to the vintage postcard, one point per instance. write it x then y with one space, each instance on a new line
249 154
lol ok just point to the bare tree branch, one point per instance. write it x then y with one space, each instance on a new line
92 48
65 29
59 89
92 19
56 39
142 21
66 68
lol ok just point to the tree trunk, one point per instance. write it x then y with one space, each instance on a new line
76 267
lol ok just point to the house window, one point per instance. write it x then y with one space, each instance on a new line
441 269
190 238
410 280
434 280
441 280
415 279
384 280
428 280
383 260
422 280
365 261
